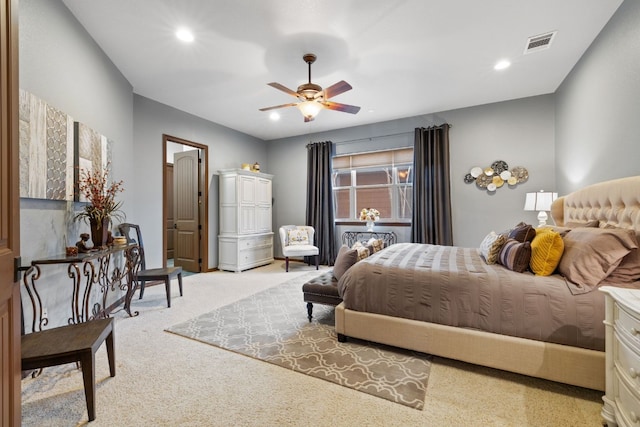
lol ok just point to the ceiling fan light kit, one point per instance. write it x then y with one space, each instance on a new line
312 98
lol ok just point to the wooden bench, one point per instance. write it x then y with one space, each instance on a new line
322 290
72 343
69 344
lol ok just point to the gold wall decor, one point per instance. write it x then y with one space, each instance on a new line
492 177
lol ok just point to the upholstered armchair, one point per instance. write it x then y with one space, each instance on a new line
297 240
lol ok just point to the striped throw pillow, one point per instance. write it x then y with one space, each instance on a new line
515 255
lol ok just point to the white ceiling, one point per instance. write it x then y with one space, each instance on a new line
403 57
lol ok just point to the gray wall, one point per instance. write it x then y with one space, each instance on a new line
520 132
598 107
61 64
584 133
227 149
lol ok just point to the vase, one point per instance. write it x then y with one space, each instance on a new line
370 225
99 232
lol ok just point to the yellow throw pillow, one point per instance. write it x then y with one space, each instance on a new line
546 250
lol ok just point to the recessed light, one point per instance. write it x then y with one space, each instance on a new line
501 65
185 35
274 116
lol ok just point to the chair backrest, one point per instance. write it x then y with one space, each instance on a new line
284 233
125 229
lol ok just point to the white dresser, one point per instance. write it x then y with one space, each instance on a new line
622 322
246 237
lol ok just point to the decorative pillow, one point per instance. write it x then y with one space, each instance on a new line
591 254
362 251
523 233
515 255
376 244
344 260
546 251
490 247
628 270
298 236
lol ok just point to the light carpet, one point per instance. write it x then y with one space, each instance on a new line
164 379
272 326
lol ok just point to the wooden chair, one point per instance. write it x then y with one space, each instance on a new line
78 343
143 275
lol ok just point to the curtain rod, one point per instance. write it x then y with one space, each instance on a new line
370 138
349 141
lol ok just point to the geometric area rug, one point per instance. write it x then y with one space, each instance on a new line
272 326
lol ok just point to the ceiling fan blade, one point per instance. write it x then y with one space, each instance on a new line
336 89
279 106
345 108
284 89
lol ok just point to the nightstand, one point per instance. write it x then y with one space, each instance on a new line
622 346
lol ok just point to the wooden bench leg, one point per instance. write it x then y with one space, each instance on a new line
88 362
180 282
309 310
111 354
142 282
167 287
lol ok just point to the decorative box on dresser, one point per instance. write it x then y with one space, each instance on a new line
246 237
622 346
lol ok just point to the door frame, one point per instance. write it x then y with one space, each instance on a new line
10 325
204 212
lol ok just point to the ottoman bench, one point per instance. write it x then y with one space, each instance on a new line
322 290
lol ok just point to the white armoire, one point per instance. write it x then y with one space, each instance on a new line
246 237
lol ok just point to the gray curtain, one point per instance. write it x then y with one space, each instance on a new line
431 218
320 199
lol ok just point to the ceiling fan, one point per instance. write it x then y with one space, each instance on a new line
312 97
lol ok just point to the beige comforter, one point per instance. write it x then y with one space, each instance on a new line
454 286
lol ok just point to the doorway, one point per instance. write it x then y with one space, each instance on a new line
185 204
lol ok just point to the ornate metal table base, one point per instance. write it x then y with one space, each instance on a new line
350 237
104 270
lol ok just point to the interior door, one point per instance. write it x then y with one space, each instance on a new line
9 217
186 209
168 185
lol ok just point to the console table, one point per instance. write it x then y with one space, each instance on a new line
350 237
105 270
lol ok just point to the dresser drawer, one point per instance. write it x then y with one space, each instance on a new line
628 405
627 325
252 256
255 242
627 362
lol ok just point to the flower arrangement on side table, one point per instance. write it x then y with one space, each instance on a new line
102 207
371 215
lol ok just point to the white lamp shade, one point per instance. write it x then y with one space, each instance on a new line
540 201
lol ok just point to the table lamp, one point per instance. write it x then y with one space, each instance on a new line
541 202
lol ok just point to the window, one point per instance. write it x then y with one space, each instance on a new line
382 180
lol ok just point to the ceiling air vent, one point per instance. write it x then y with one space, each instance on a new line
539 42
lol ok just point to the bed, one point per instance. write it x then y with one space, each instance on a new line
546 327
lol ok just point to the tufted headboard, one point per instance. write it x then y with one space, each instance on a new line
615 203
